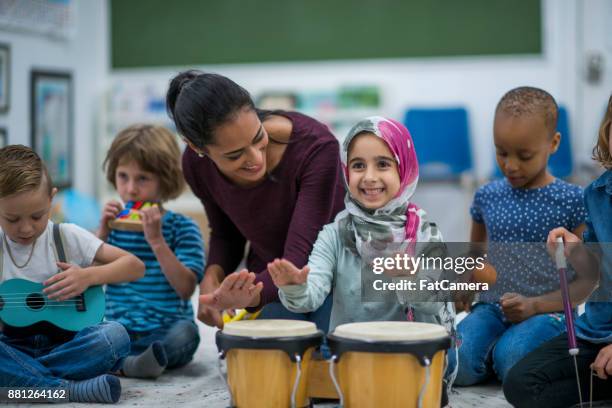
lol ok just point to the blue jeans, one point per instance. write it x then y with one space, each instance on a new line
320 317
489 344
38 361
180 341
451 365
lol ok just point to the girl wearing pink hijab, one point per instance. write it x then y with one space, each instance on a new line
381 173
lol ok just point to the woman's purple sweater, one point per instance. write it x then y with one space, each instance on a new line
280 217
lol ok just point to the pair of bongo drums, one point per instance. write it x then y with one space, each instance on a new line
373 364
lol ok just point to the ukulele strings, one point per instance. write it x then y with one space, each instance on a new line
36 302
41 302
47 306
7 295
23 299
15 300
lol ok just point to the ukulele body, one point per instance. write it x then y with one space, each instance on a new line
23 303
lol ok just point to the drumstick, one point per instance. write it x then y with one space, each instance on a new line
567 308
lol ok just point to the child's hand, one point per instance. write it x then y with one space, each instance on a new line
517 307
209 315
152 225
109 212
568 238
463 302
237 291
73 281
285 273
603 362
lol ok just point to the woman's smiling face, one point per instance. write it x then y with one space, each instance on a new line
240 148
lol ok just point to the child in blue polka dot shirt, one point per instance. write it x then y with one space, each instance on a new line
520 311
547 376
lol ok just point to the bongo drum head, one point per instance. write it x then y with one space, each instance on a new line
291 336
390 331
269 328
423 340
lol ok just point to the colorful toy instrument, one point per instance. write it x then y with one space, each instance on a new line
129 219
240 314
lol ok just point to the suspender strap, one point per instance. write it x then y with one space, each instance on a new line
59 243
1 253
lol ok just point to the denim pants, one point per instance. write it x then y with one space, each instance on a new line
451 365
39 361
180 341
488 343
320 317
547 376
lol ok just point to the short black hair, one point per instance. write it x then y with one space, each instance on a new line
527 100
199 102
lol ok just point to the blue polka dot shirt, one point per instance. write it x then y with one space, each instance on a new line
515 220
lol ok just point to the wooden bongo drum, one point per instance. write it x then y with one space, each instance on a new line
267 361
388 364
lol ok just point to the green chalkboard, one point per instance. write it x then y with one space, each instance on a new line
148 33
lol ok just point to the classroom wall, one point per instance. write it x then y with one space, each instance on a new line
474 82
86 56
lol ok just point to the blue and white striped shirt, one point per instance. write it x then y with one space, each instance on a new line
150 302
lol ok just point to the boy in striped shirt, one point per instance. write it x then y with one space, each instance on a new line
143 164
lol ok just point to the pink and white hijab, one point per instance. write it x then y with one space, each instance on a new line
399 221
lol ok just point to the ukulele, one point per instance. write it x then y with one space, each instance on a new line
23 303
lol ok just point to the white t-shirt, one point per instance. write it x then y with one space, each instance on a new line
80 247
